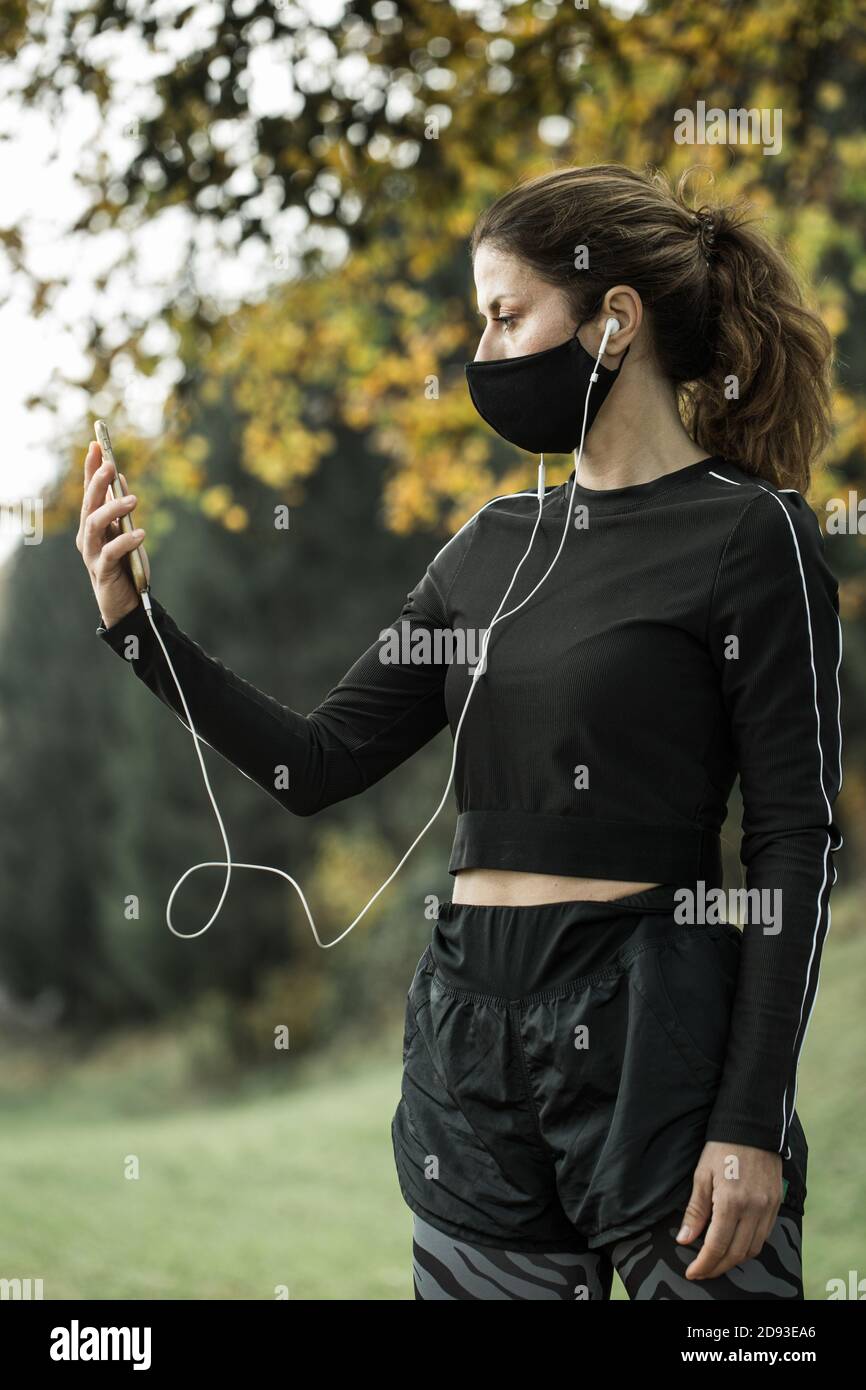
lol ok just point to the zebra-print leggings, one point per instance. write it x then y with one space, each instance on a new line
651 1266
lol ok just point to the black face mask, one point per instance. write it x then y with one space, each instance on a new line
537 401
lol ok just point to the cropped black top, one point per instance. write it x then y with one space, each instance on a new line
688 631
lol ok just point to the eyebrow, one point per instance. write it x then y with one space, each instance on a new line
496 301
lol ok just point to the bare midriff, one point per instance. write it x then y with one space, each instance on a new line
509 888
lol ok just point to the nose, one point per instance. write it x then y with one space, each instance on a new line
483 352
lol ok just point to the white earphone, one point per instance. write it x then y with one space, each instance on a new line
611 326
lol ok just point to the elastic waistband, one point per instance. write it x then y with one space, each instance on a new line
511 952
660 899
585 847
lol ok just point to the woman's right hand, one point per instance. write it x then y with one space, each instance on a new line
102 543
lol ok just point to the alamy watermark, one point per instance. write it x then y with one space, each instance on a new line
707 907
22 518
21 1289
846 516
77 1343
736 126
430 646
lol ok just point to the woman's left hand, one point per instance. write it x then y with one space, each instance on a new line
738 1190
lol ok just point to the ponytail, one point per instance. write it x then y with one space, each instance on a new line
764 400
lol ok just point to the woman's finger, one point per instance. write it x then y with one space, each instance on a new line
96 525
121 545
699 1207
96 489
763 1229
92 461
740 1247
717 1243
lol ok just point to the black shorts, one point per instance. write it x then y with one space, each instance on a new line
560 1066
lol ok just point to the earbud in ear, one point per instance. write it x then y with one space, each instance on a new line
614 325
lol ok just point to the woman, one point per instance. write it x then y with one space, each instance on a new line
599 1071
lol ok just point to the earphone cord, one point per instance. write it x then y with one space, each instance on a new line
478 671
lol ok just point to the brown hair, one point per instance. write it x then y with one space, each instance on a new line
721 301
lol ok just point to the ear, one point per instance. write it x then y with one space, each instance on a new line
624 304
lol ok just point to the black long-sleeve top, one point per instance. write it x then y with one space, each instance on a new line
688 632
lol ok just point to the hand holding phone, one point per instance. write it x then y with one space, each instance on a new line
106 534
138 561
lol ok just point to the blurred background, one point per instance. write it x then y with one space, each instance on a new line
238 232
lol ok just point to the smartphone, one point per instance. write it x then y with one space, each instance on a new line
138 561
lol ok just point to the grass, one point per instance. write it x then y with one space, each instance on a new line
292 1183
232 1198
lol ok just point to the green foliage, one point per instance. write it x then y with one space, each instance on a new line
319 396
439 116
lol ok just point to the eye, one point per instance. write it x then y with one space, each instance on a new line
506 319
